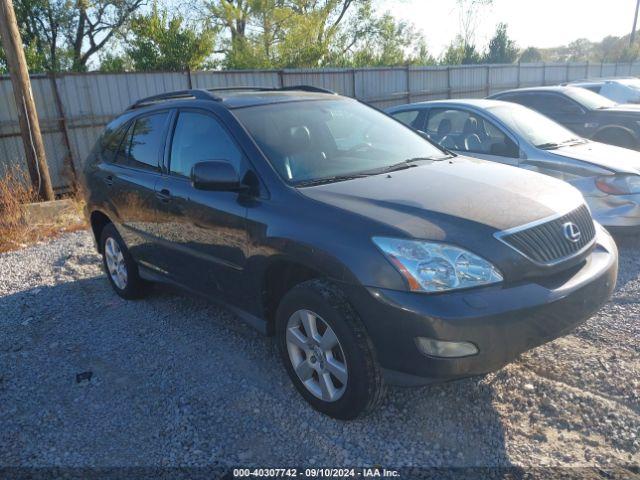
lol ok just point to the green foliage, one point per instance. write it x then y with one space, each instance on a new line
501 48
384 41
531 55
115 63
460 53
66 34
161 41
318 33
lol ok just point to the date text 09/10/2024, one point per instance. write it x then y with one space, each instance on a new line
372 472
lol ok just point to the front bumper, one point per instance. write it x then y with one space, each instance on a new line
502 321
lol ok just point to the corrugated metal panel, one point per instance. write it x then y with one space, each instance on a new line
577 71
248 78
502 77
428 83
337 80
469 81
377 84
531 74
555 73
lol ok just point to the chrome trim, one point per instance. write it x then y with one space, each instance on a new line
499 236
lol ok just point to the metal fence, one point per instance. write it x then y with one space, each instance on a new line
73 108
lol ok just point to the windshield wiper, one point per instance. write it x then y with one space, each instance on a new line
325 180
554 145
408 163
548 145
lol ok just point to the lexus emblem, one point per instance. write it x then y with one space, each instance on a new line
571 232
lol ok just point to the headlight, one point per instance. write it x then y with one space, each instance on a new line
436 267
619 184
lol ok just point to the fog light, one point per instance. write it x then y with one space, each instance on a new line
438 348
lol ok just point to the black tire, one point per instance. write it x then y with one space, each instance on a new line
135 287
618 137
364 389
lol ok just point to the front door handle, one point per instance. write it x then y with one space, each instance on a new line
164 195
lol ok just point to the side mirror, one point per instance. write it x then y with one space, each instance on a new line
215 175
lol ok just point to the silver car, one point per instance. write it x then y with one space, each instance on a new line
607 176
620 90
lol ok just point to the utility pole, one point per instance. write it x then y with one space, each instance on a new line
635 22
25 106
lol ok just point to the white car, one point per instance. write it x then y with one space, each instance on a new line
620 90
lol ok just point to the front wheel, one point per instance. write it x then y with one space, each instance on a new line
327 352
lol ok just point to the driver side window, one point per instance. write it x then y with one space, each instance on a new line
199 137
467 132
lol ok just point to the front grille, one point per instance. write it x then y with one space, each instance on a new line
547 243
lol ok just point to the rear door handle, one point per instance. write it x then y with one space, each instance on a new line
108 180
164 195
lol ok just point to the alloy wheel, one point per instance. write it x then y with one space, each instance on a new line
316 355
115 263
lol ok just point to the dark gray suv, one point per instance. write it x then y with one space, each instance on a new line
373 255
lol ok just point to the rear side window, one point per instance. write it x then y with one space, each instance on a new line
111 142
146 141
198 138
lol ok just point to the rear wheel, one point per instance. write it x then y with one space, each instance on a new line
327 352
121 270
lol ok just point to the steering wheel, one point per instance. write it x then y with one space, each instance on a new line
360 147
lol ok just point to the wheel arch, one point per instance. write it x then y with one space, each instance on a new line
279 276
98 221
614 128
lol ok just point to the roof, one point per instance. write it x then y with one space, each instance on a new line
552 88
481 103
237 97
598 81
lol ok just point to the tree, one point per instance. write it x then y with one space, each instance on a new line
531 55
579 50
501 48
160 41
279 33
468 15
67 34
458 52
382 41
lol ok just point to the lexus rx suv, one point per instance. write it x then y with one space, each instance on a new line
373 255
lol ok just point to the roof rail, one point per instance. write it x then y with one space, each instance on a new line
196 93
243 87
304 88
308 88
207 94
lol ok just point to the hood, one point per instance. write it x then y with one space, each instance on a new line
494 195
615 159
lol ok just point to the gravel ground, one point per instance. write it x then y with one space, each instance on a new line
178 381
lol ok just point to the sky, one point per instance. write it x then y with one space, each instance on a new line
539 23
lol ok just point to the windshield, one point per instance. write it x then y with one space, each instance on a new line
532 126
325 139
588 99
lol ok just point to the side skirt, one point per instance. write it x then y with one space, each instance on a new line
260 324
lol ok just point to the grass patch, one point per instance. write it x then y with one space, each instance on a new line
17 228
